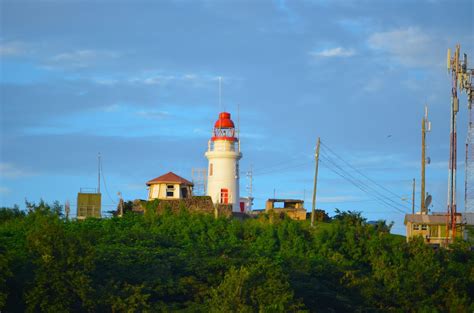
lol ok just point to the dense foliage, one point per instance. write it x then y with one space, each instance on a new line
184 262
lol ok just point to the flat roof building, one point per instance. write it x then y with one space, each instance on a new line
433 228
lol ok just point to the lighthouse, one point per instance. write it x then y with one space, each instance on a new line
223 153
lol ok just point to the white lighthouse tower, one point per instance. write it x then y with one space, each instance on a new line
223 153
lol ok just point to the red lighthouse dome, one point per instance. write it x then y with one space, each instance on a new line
224 128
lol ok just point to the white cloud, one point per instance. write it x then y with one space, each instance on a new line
81 58
334 52
161 78
4 190
407 46
373 84
9 170
12 48
112 108
157 80
159 115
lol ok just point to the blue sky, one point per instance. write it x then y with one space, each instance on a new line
138 81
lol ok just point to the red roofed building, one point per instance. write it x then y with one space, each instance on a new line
169 186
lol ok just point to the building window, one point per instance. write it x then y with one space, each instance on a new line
416 227
424 227
211 169
170 190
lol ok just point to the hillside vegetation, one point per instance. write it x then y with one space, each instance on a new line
183 262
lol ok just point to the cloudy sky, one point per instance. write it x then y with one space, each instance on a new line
137 81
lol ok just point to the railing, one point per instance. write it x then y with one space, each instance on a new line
88 190
222 146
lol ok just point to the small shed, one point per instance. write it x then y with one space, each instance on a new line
89 203
169 186
292 207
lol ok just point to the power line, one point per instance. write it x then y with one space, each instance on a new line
362 188
105 184
365 185
357 183
361 173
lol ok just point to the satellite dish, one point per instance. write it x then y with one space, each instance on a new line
428 160
428 200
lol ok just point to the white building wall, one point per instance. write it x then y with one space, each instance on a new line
158 191
224 161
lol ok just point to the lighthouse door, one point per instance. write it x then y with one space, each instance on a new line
224 195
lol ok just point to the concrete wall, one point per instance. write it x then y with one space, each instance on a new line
196 204
89 205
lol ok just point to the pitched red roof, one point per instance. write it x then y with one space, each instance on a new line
169 178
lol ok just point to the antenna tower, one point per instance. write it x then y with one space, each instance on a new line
466 83
461 78
425 127
199 176
250 187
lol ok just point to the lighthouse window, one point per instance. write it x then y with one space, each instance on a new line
210 169
170 190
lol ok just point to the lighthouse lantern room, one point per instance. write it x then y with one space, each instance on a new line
223 153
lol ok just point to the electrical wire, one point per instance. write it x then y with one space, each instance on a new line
105 184
365 185
361 173
376 198
330 164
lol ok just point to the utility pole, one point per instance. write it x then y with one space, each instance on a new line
67 209
413 198
120 204
316 157
425 127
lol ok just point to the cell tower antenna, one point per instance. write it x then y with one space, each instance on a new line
461 77
425 127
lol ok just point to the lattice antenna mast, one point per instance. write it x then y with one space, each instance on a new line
460 77
199 176
250 187
466 84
